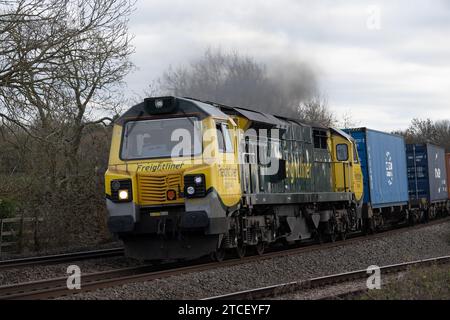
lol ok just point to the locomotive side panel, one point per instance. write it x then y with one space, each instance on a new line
322 166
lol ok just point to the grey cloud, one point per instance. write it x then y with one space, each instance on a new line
413 33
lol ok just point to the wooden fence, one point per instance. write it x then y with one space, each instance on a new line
17 232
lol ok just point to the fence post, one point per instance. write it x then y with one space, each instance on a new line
21 234
1 235
36 223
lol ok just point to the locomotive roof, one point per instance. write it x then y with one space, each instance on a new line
174 106
195 107
343 134
259 116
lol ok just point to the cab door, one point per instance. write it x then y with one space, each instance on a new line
228 182
342 166
347 174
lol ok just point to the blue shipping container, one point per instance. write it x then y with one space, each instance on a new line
383 163
426 172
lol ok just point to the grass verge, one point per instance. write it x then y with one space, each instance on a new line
430 283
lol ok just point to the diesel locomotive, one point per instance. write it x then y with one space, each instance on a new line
188 178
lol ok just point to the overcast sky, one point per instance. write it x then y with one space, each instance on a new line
385 62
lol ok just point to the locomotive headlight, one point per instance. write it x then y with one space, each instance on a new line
190 190
194 185
159 104
121 190
123 195
198 180
115 185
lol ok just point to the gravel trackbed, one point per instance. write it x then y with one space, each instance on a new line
427 242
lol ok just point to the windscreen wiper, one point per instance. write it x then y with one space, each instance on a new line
134 123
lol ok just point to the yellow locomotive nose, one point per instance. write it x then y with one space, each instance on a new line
159 189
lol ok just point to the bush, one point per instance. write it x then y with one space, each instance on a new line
7 208
69 197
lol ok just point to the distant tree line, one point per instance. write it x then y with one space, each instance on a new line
428 131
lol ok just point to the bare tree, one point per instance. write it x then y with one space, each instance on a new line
62 65
316 111
347 121
427 130
422 129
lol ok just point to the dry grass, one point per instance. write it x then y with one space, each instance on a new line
431 283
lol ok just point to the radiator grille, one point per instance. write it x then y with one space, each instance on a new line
153 189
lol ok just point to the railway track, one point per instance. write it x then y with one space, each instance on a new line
53 288
60 258
296 286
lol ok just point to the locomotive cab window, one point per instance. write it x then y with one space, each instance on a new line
224 138
342 152
162 138
320 139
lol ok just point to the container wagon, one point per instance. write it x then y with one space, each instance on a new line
447 162
427 178
383 164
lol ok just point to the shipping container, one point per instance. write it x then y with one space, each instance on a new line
427 175
447 158
383 163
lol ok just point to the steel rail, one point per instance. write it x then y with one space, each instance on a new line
295 286
52 288
59 258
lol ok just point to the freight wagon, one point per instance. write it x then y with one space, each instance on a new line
427 178
383 166
447 163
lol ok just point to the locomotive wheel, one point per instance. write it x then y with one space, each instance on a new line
369 227
241 250
333 236
379 226
318 236
432 213
332 230
344 232
218 255
260 247
411 219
